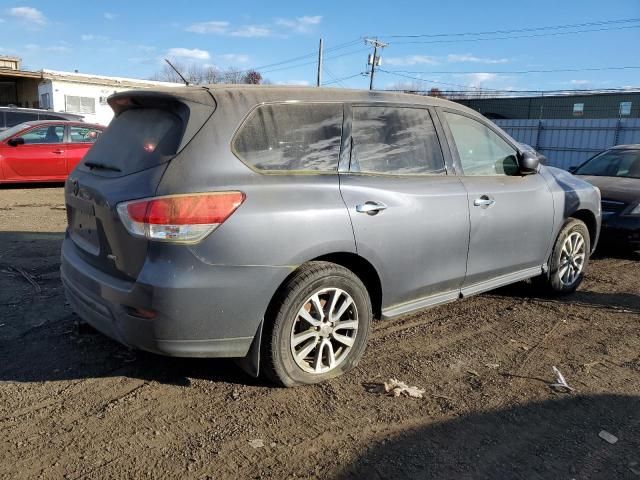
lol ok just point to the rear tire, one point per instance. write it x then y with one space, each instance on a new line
317 327
568 260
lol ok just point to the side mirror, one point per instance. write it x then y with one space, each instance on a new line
529 163
14 142
573 168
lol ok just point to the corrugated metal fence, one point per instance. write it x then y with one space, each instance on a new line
568 142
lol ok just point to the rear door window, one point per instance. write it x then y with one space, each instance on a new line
291 137
83 134
396 141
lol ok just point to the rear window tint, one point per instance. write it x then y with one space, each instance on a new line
137 139
291 137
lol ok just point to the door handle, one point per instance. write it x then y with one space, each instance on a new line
484 201
58 151
370 208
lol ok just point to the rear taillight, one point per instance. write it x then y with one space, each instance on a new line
178 218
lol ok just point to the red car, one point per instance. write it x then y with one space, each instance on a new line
44 151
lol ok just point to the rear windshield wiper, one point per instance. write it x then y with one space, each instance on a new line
101 166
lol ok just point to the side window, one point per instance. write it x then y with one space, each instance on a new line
482 152
83 135
48 134
394 140
291 137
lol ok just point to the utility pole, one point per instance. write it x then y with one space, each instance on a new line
374 60
319 81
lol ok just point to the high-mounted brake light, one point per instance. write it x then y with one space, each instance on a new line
178 218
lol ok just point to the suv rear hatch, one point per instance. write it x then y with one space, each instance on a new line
126 163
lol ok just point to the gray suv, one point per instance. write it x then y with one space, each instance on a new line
274 224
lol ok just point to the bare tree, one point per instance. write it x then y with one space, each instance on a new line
199 75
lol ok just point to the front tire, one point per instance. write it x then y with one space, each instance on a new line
317 327
568 260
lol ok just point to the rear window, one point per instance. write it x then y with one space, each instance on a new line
291 137
137 139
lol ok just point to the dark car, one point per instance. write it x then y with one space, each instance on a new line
11 116
616 172
273 224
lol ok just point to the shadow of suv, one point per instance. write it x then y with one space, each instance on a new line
273 224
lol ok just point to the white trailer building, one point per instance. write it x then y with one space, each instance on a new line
86 94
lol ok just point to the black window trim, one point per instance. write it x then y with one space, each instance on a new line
246 117
448 166
452 143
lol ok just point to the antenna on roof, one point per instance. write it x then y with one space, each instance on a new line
177 71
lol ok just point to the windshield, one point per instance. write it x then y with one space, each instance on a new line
10 132
613 163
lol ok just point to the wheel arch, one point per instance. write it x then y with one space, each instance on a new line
589 219
360 266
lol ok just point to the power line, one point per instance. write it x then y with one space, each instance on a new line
313 62
472 89
304 56
530 29
342 79
514 72
553 34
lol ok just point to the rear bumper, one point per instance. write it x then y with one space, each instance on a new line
208 311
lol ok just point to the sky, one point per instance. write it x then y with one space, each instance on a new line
131 38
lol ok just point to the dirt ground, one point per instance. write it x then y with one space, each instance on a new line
74 404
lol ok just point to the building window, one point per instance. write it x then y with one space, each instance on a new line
578 109
625 108
75 104
45 101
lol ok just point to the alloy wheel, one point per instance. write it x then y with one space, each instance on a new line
324 330
572 257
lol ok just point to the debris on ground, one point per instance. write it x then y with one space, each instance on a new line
608 437
635 468
397 388
256 443
561 383
492 365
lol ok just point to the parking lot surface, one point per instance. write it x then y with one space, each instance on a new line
75 404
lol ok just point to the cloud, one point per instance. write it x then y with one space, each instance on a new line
87 37
32 47
28 14
303 24
580 82
295 83
477 80
109 16
190 53
411 60
215 26
467 57
234 58
280 27
251 31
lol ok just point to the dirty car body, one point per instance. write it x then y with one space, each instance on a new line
413 235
